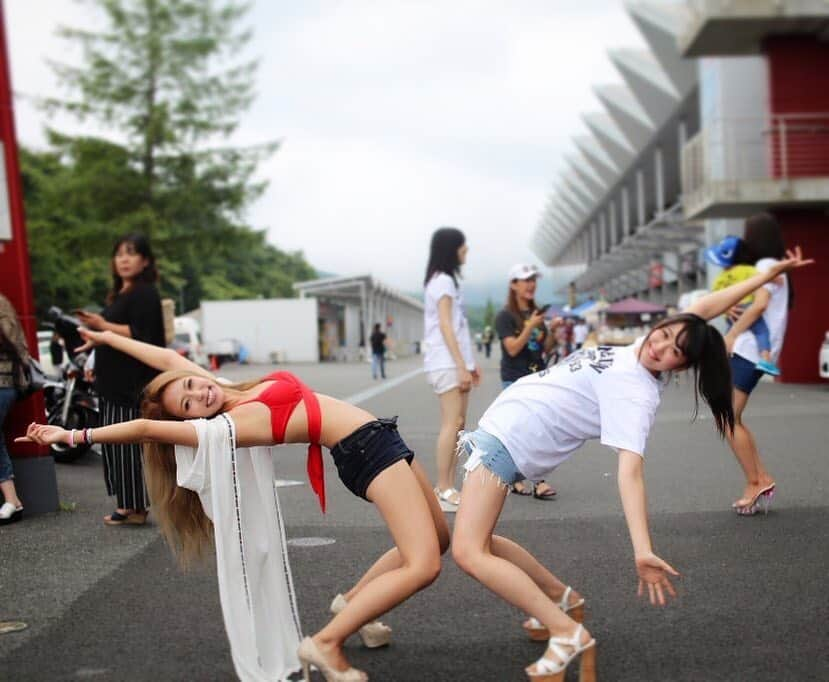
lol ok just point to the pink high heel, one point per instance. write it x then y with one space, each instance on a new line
762 501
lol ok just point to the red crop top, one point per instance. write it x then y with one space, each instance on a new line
281 398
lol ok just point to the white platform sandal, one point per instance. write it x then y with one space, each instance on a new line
538 633
309 655
374 634
548 670
448 499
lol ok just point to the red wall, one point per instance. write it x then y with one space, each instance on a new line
799 84
809 318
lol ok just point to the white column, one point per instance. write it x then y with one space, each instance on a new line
659 172
640 198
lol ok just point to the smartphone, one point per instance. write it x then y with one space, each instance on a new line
543 309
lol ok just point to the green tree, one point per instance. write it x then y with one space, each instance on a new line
168 78
167 75
85 190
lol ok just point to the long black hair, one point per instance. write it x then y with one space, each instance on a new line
142 247
443 253
705 354
763 238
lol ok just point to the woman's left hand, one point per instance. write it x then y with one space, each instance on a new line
91 338
91 320
794 259
476 376
654 573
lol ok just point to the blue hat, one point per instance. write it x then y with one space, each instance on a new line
723 254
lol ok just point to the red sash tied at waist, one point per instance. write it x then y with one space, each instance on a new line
316 473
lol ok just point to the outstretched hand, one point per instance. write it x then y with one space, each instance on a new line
91 337
654 573
44 434
794 259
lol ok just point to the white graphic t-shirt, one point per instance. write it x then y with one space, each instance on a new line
776 316
436 355
602 392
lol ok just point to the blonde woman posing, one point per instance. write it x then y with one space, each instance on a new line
447 357
201 482
610 393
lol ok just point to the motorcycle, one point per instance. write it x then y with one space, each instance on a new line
71 401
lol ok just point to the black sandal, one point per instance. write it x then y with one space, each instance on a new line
115 519
524 490
547 495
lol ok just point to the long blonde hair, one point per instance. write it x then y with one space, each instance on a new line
186 528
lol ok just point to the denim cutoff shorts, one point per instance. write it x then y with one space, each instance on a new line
484 448
361 456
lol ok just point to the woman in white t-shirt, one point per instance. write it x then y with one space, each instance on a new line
610 393
762 246
447 353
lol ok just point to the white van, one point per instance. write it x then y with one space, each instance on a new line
188 340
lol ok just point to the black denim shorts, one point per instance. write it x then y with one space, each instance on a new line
373 447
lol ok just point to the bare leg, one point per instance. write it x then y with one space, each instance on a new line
398 494
392 559
10 493
472 548
452 419
745 450
514 553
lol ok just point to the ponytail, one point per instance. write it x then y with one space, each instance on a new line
712 379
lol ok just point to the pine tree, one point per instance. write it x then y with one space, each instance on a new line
168 78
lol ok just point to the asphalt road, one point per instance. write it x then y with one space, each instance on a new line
108 603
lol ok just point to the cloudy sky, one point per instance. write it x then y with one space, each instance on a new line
396 116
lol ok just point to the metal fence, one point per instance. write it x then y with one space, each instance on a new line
783 146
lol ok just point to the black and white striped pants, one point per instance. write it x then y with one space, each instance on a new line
123 466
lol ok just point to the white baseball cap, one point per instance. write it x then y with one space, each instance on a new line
523 272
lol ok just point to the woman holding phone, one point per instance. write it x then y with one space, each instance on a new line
133 310
525 341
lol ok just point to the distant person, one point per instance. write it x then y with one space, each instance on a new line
14 357
447 354
479 341
133 310
525 340
726 255
580 332
378 352
764 249
487 338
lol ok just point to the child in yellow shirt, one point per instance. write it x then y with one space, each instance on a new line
723 254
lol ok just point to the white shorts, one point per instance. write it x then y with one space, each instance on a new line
443 380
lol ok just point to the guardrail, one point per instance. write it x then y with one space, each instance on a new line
778 147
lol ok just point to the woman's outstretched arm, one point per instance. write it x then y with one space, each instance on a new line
716 303
653 572
134 431
162 359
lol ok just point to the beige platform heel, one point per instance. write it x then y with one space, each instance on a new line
309 655
373 634
538 633
548 670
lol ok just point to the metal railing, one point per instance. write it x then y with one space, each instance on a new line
785 146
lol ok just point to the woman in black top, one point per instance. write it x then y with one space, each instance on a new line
525 340
133 310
